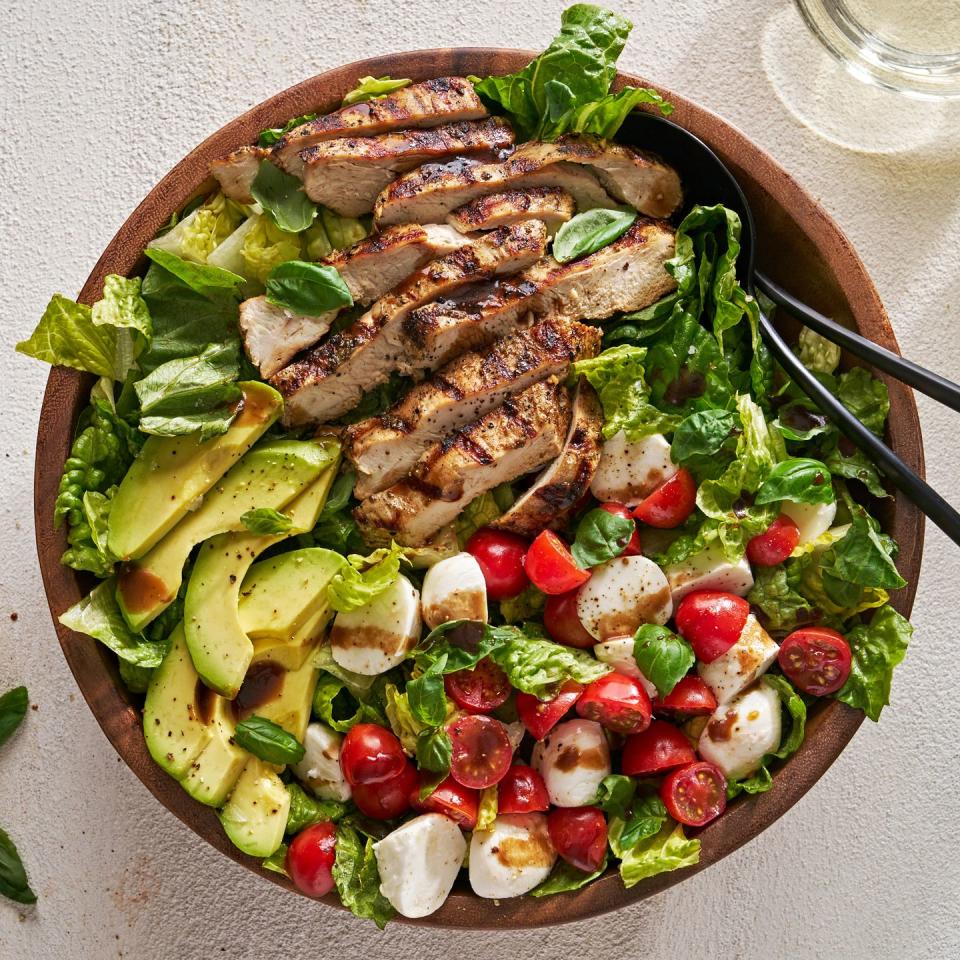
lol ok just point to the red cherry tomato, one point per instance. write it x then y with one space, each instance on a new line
458 803
691 696
618 702
481 751
500 555
671 503
775 544
633 547
695 794
551 567
562 623
522 790
390 798
816 659
370 754
480 690
712 621
541 716
310 859
579 835
660 747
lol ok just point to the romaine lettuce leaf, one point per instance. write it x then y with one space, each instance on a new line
306 810
350 589
782 605
402 721
817 353
487 808
372 88
865 396
342 708
272 135
524 606
482 510
357 878
564 878
122 306
669 849
265 247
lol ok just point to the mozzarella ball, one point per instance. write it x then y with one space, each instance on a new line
630 472
572 759
319 770
618 652
749 658
812 519
741 733
709 570
512 857
622 594
454 589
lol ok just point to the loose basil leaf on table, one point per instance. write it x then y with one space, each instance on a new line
282 198
799 479
663 657
268 741
307 288
601 536
588 232
13 708
13 877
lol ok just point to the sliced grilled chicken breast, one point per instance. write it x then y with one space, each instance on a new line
334 376
516 438
347 174
236 172
551 498
384 449
273 336
552 205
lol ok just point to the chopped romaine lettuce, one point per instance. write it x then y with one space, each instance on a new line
372 88
264 247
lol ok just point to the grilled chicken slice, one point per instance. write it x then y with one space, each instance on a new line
334 376
384 449
552 497
347 174
627 275
272 336
552 205
517 437
431 192
236 172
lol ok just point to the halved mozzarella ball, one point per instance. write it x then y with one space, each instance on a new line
812 519
750 657
376 637
630 472
622 594
454 589
512 857
573 759
619 654
319 770
709 570
419 862
742 732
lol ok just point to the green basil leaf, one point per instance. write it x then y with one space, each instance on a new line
663 656
265 521
202 278
272 135
306 810
357 878
426 696
615 794
564 878
601 536
307 288
13 878
282 198
268 741
372 88
799 479
434 750
801 422
13 708
702 434
590 231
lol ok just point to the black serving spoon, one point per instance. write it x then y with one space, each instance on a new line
708 181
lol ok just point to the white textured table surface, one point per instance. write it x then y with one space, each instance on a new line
97 101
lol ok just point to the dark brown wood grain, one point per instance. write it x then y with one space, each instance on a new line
798 243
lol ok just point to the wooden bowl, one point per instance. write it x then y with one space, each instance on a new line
798 244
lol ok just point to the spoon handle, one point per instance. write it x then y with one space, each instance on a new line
900 475
912 374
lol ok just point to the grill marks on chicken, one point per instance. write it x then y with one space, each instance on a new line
386 448
347 174
333 377
520 436
552 205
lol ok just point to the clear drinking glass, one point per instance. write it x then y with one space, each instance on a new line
909 46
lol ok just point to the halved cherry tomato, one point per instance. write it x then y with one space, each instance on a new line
310 859
480 690
671 503
370 754
500 555
388 799
695 794
458 803
691 696
816 659
562 623
775 544
551 567
481 751
618 702
522 790
541 716
633 547
711 621
660 747
579 835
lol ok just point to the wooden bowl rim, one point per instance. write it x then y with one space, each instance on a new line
116 711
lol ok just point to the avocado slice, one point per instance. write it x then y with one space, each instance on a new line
219 646
171 473
292 651
216 769
255 816
270 475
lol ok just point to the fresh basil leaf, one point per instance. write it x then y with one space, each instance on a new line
268 741
272 135
202 278
282 198
434 750
793 703
372 88
13 878
307 288
798 479
801 421
357 878
426 696
306 810
702 434
13 708
669 849
615 794
590 231
601 536
663 656
564 878
646 819
877 648
350 589
856 465
265 521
